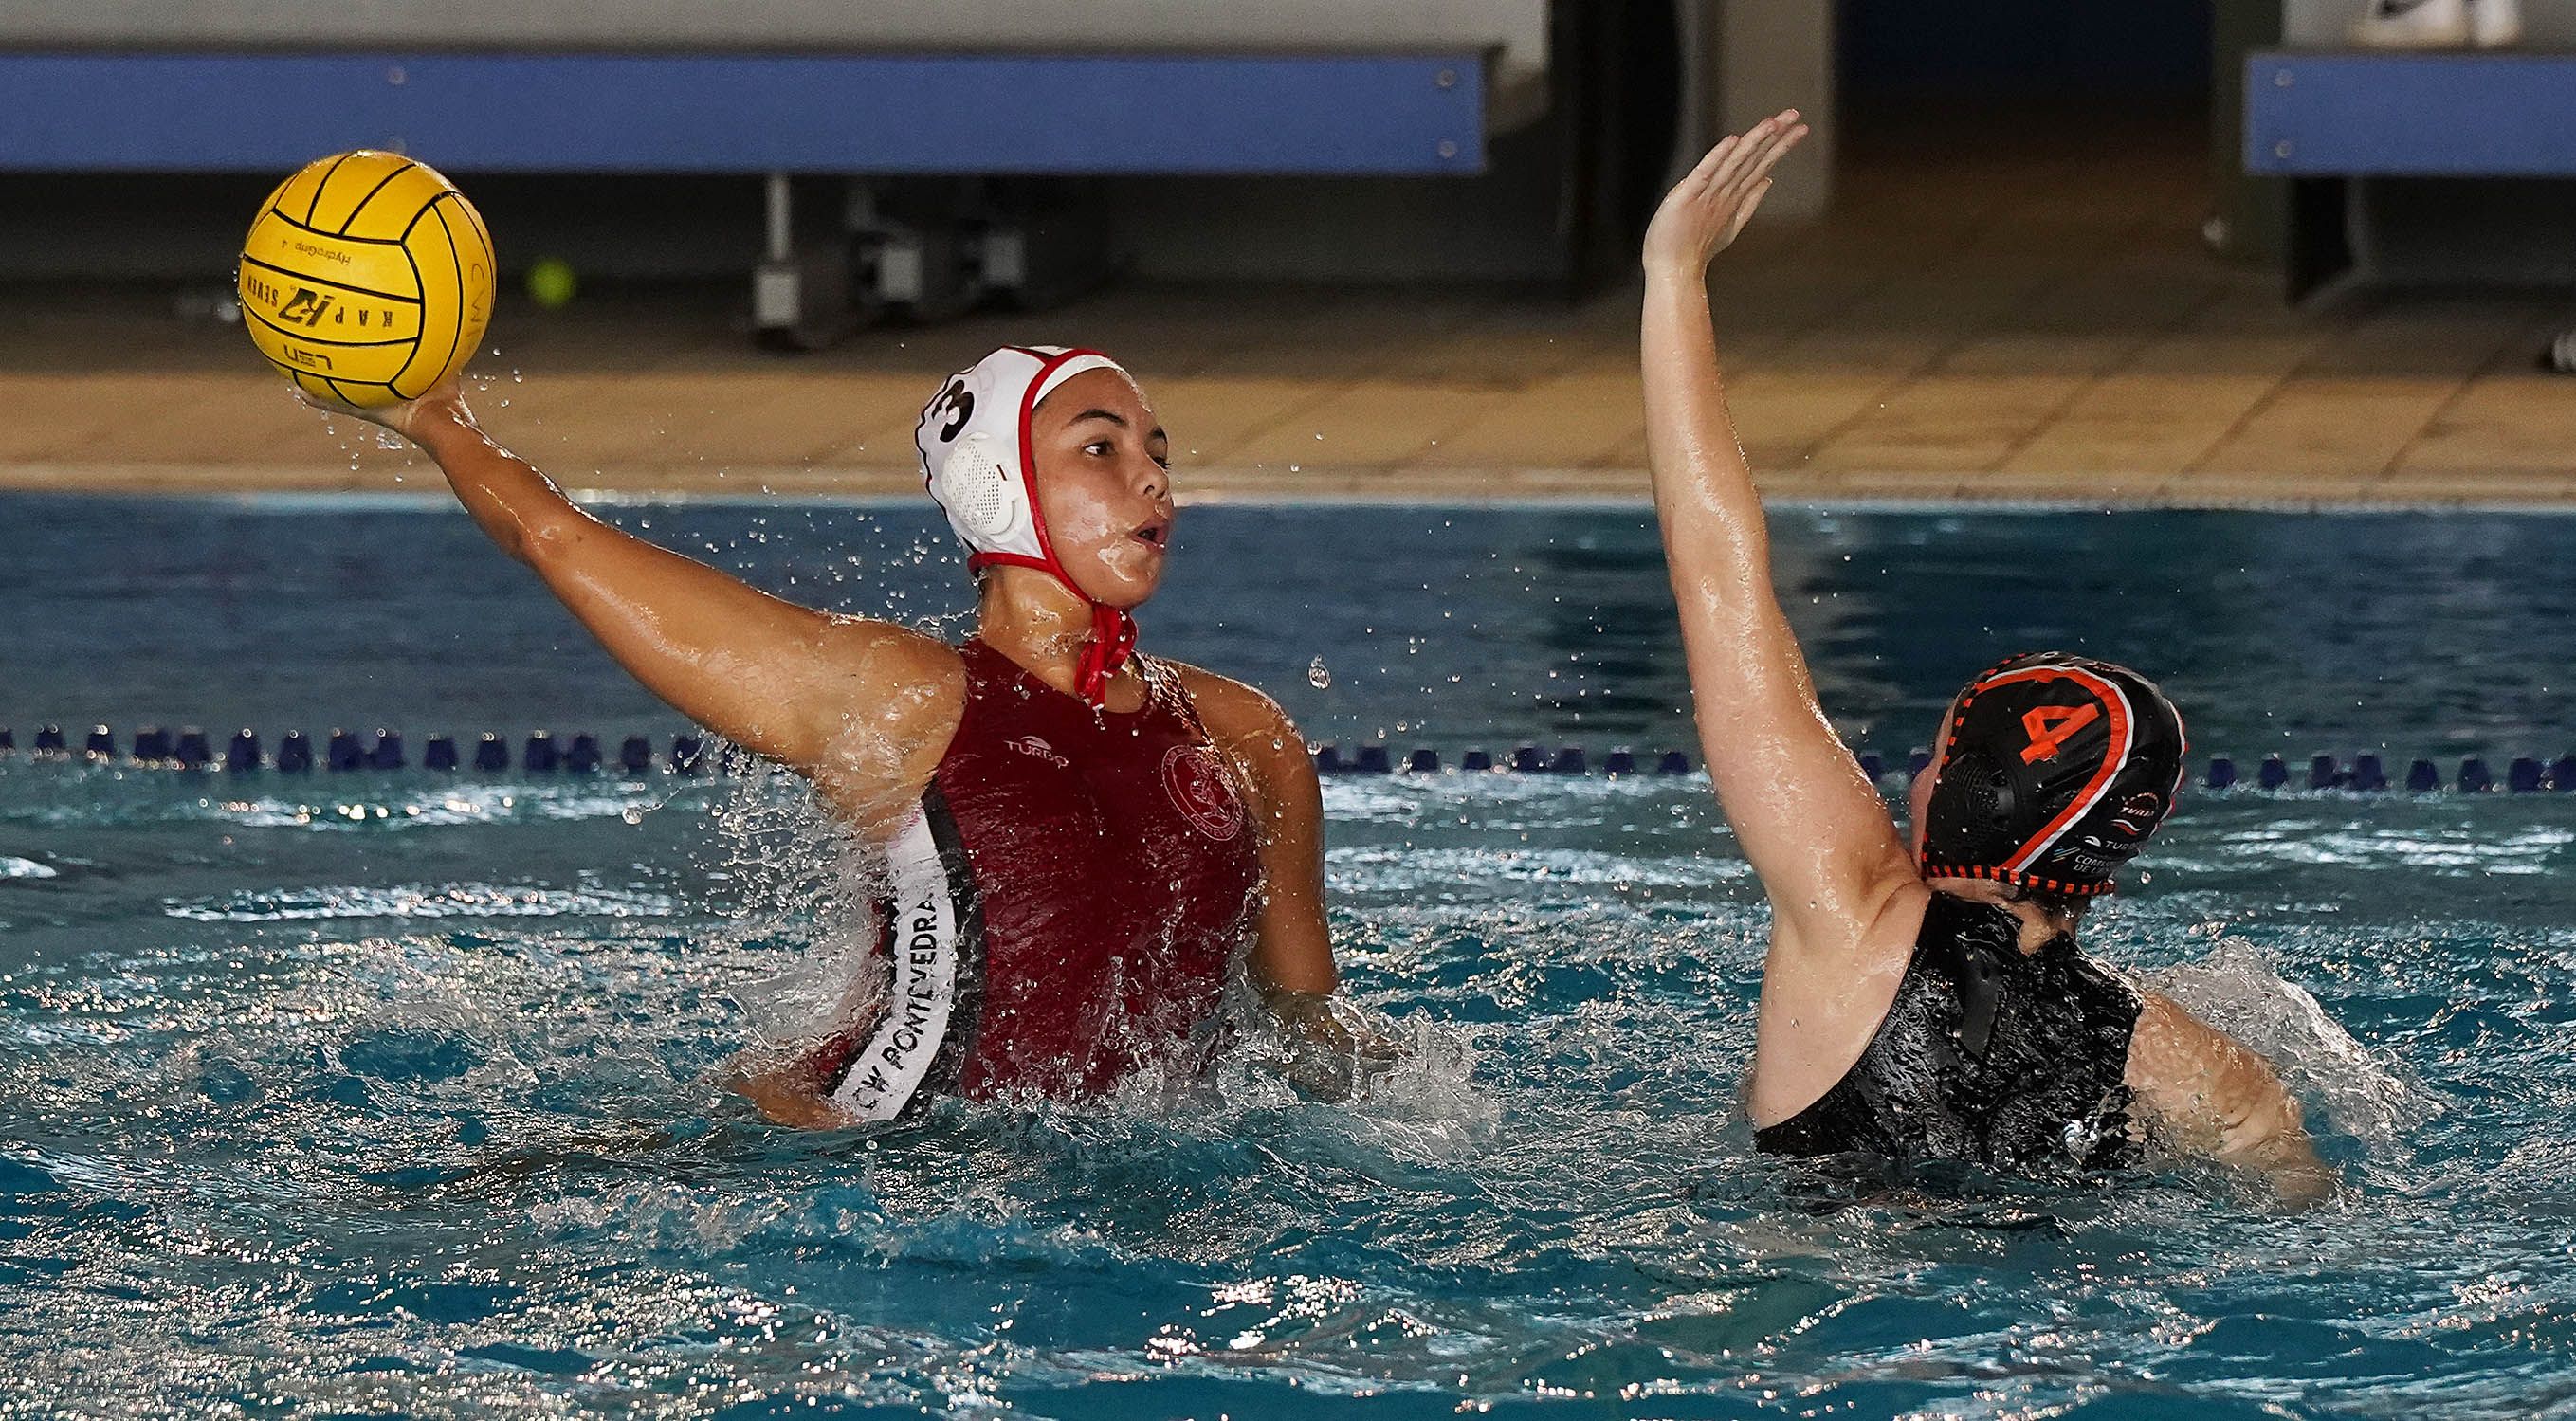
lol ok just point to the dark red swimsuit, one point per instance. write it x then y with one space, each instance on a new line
1065 907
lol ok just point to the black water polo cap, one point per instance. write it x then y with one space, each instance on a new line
2056 770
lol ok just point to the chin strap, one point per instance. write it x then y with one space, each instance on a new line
1111 643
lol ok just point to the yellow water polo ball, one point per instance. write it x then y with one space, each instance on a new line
367 278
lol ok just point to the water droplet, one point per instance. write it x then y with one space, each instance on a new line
1318 675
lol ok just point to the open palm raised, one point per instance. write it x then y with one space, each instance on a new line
1705 210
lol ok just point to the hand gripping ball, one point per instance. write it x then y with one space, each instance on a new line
367 278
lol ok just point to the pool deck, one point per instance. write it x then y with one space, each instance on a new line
2043 329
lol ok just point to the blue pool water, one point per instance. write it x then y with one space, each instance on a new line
397 1094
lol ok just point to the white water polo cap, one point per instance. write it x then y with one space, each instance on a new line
979 465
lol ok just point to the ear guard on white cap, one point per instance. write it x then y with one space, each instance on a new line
982 498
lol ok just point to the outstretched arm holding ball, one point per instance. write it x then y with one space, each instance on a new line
366 279
840 699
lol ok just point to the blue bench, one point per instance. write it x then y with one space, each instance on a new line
2324 119
702 113
863 117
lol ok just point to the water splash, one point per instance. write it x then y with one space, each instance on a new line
800 891
446 900
2241 991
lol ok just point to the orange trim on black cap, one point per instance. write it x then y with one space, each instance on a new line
2018 879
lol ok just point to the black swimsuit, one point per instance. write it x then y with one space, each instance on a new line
1989 1054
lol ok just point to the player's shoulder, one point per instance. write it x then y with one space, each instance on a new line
898 666
1227 705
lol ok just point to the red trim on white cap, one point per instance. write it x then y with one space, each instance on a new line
1113 630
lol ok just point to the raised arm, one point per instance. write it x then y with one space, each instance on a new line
1814 829
781 680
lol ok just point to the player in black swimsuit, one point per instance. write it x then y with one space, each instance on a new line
2053 771
1924 1001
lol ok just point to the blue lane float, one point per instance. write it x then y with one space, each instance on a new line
1374 759
1332 759
346 751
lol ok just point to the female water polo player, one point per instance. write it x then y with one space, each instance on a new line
1081 842
1929 1003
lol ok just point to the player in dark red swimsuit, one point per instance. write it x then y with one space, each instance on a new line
1082 843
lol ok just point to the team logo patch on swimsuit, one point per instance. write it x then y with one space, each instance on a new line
1032 745
1195 778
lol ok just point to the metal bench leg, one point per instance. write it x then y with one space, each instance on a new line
803 296
927 250
919 236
